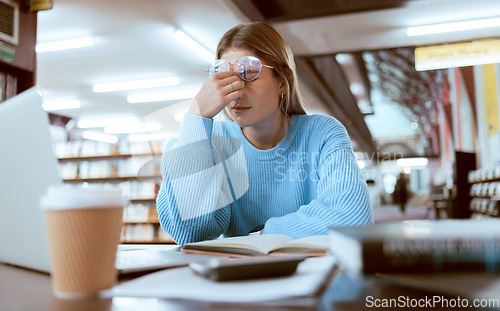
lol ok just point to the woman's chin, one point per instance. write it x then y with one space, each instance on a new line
242 121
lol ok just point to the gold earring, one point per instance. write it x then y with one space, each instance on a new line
281 96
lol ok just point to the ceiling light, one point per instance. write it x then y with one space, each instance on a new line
136 128
343 58
453 27
64 44
61 105
356 88
163 96
102 122
194 46
100 137
135 85
412 162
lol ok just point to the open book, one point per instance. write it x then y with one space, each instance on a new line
259 245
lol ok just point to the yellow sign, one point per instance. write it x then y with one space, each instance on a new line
457 55
491 98
40 5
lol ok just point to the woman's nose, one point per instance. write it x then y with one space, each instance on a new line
233 67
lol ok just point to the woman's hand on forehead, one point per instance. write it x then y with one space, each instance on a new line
217 92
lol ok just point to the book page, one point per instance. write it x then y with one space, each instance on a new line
257 243
315 243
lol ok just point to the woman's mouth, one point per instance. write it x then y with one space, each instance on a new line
240 109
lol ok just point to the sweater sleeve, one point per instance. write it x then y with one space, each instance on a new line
195 197
342 194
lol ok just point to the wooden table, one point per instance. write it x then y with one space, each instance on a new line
23 289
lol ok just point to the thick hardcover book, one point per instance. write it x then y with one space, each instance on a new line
258 245
419 246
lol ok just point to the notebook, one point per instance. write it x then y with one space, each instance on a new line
28 166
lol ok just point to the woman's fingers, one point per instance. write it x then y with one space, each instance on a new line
216 93
235 86
233 96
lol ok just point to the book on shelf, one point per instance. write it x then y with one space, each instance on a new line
8 86
138 232
140 213
419 246
258 245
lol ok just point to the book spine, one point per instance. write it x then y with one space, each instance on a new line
431 255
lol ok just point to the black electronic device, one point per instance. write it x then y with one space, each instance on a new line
247 268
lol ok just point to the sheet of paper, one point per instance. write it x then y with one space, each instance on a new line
182 283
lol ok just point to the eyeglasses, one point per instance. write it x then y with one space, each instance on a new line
248 67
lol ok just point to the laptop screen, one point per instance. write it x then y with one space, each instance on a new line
27 166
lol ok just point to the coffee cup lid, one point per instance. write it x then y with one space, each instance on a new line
72 197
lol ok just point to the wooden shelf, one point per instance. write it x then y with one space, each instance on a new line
114 178
145 200
155 222
13 68
108 156
24 65
111 178
485 180
493 214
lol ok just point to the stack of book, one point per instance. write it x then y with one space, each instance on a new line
419 246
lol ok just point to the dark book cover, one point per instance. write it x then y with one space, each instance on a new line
419 246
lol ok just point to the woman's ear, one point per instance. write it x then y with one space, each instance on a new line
282 85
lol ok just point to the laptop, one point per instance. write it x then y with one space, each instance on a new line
28 166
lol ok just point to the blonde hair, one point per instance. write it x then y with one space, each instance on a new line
268 45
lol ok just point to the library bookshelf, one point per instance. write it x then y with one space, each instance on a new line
95 163
18 61
485 192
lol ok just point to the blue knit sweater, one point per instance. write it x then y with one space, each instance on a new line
216 182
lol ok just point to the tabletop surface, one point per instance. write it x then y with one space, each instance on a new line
23 289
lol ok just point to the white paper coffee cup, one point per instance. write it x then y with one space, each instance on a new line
84 226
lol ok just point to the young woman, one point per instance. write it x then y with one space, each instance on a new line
273 165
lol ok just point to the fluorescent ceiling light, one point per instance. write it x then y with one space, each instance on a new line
135 85
100 137
453 27
102 122
194 46
64 44
343 58
135 138
357 88
412 162
61 105
164 96
136 128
